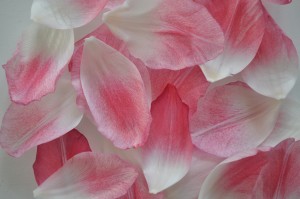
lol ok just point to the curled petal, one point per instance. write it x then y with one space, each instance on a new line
177 34
39 59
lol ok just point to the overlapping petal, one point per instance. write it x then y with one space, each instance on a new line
51 156
167 33
115 94
233 118
243 24
24 127
65 14
275 69
167 154
268 175
89 175
39 59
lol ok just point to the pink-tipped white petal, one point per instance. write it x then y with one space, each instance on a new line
232 118
65 14
168 34
275 69
115 94
89 175
282 2
51 156
39 59
268 175
167 153
243 24
24 127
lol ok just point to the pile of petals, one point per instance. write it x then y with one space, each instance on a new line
181 99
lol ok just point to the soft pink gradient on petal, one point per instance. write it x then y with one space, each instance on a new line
167 34
51 156
65 14
232 118
167 153
24 127
89 175
40 57
268 175
115 94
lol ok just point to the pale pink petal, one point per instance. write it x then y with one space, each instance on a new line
39 59
189 82
51 156
65 14
267 175
189 186
232 118
89 175
243 24
24 127
281 1
167 153
168 34
274 70
115 94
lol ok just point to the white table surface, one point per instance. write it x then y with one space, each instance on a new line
16 175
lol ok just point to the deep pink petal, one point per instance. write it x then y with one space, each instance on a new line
274 70
51 156
39 59
167 153
176 34
115 94
268 175
232 118
243 24
65 14
89 175
24 127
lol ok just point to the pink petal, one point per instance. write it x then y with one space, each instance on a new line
167 153
177 34
38 61
89 176
65 14
232 118
275 69
189 82
24 127
53 155
243 24
115 94
281 1
268 175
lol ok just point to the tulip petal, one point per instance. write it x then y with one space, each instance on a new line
38 61
176 34
268 175
115 94
274 70
232 118
65 14
24 127
89 176
243 24
282 2
51 156
167 153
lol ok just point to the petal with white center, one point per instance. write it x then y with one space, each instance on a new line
232 118
65 14
167 34
39 59
243 24
167 154
115 94
51 156
24 127
275 69
89 175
